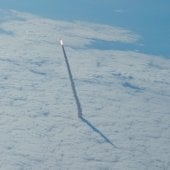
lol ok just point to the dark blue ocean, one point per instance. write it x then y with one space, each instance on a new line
149 19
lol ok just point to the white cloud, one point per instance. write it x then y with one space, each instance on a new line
124 94
120 11
76 34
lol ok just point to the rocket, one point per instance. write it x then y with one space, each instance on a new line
61 42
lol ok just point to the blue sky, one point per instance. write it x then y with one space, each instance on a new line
150 19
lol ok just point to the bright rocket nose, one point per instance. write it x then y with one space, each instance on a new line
61 42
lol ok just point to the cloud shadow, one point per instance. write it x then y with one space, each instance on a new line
97 131
5 32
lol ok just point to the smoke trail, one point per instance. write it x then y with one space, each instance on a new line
79 109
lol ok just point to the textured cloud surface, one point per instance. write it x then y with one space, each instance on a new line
124 95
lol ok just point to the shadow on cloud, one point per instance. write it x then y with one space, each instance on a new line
2 31
97 131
